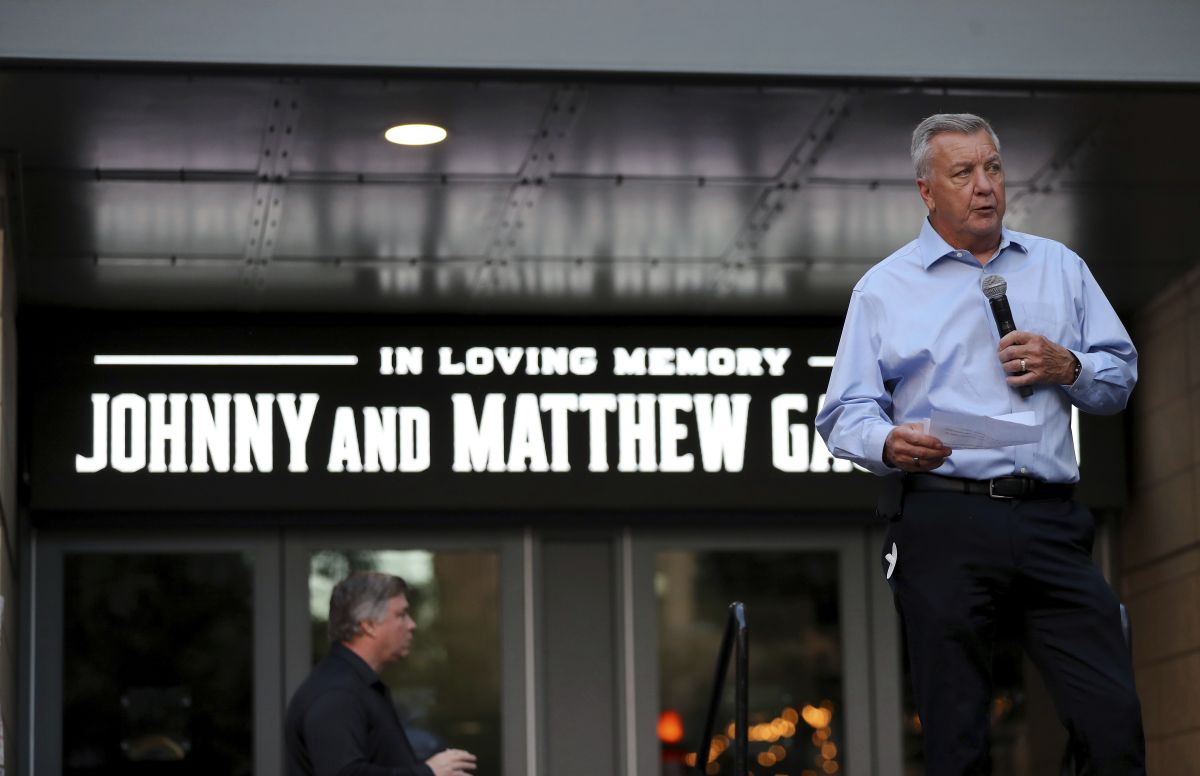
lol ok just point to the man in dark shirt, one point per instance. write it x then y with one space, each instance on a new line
341 721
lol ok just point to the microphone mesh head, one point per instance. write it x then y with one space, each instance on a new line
994 286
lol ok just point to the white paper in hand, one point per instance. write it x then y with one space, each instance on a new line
976 432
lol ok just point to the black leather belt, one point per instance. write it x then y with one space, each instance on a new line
1001 487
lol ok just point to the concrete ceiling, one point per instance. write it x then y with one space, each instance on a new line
215 190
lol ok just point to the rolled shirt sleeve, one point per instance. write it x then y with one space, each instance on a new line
855 420
1107 357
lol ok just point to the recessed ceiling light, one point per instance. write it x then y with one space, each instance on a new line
415 134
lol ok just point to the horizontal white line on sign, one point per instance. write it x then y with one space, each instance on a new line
225 360
825 361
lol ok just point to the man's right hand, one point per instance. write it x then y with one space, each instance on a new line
910 449
452 762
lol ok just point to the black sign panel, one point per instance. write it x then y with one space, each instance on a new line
436 416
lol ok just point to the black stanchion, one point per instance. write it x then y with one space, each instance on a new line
736 638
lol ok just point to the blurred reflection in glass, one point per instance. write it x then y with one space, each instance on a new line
796 704
447 691
157 664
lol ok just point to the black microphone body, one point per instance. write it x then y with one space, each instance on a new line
1004 324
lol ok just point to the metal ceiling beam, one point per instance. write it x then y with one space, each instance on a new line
1065 160
796 173
566 104
274 163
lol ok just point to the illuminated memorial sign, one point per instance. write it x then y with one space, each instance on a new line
435 417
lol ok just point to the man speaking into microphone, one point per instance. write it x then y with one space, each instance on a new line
981 537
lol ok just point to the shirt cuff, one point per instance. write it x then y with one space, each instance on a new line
1086 373
875 436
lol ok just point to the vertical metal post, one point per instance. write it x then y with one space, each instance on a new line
741 680
735 637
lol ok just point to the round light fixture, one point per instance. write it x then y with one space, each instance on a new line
415 134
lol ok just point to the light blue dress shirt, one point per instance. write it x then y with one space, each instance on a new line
919 335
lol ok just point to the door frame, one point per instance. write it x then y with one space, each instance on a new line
42 657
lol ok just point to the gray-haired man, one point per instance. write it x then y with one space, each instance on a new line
341 721
985 536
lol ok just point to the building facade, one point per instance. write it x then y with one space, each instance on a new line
559 372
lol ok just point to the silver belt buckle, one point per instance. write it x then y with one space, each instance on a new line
993 494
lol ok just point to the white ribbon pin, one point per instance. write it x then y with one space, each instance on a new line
891 558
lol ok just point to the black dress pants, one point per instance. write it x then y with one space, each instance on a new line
965 564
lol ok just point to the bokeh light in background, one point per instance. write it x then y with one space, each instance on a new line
792 608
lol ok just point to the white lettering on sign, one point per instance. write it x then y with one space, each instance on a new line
210 432
791 450
120 440
635 432
528 445
650 431
478 446
163 431
401 361
789 441
394 439
297 422
598 406
98 460
128 449
133 433
252 432
671 431
721 424
480 361
700 362
559 405
343 449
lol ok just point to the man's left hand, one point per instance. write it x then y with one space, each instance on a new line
1043 361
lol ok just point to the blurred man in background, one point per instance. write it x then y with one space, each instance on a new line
341 721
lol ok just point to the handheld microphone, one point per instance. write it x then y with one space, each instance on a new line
995 288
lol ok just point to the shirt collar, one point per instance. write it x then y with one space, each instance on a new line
359 666
932 247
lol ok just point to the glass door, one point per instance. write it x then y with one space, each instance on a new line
154 656
462 685
808 603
